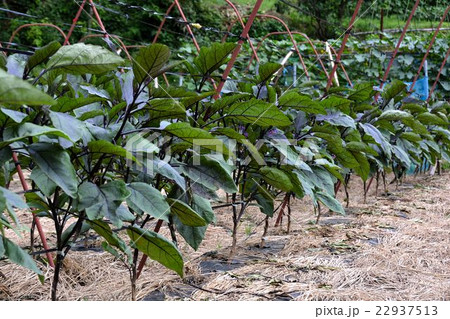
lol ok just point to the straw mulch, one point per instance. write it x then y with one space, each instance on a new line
395 247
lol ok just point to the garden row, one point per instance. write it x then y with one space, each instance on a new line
109 150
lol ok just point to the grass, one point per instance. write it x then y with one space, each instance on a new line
266 5
393 22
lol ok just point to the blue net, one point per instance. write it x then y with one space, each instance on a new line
420 90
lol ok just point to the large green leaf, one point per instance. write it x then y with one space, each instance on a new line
14 134
105 201
372 131
102 228
104 147
194 235
267 70
288 155
17 91
211 174
16 116
336 102
83 58
212 57
17 255
149 61
258 112
186 214
197 137
73 127
427 118
276 177
363 169
302 102
361 92
145 198
331 202
43 182
394 115
42 54
55 163
9 201
392 90
163 109
157 248
67 104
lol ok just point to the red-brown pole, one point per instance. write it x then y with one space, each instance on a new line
188 27
236 51
447 55
144 257
286 32
74 22
242 24
344 42
162 23
97 16
13 35
391 62
35 218
429 48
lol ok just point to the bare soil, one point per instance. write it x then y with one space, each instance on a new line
394 247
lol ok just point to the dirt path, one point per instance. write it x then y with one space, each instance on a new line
396 247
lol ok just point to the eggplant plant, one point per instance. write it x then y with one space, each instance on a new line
112 151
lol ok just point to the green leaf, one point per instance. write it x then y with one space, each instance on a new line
276 177
157 248
361 92
360 147
212 57
105 201
197 137
74 128
257 112
211 174
185 213
102 228
17 255
145 198
195 235
291 157
336 102
372 131
16 116
67 104
394 115
410 136
267 70
363 169
394 89
3 62
226 101
228 132
105 147
42 54
14 134
401 155
427 118
43 182
413 108
83 58
55 163
302 102
149 61
17 91
331 202
163 109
